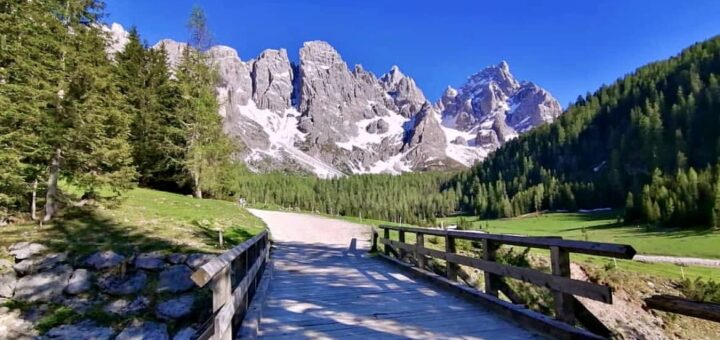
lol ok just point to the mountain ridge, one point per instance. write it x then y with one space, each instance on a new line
322 116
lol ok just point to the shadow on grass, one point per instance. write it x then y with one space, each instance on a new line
232 236
81 231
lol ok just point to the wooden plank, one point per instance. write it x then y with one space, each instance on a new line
566 285
401 238
251 322
451 269
341 295
223 319
674 304
386 234
419 245
205 273
492 280
521 316
563 302
589 321
584 247
221 289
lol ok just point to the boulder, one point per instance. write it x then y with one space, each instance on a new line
7 284
175 308
125 307
177 258
79 304
104 259
118 285
13 325
175 279
82 330
37 264
150 261
24 250
80 282
187 333
195 261
44 286
138 330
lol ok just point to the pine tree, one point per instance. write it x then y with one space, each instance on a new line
208 151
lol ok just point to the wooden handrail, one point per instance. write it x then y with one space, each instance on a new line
674 304
619 251
233 278
563 287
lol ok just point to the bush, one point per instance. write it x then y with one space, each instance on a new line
699 290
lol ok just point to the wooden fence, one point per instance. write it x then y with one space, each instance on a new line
567 308
233 278
674 304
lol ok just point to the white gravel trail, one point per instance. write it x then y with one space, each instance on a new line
310 229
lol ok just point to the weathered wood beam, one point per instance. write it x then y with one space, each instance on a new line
674 304
538 278
205 273
583 247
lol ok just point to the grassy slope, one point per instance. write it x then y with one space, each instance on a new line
143 220
603 227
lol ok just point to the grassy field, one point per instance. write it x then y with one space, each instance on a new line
142 220
603 227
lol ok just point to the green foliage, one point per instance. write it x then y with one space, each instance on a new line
59 316
408 198
151 97
699 290
649 143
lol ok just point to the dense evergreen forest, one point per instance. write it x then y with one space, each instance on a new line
649 143
413 198
72 112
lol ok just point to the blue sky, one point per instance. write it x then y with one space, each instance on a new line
568 47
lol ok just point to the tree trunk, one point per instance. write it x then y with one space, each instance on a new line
33 203
50 202
196 181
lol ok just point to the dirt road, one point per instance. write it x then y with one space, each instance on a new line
309 229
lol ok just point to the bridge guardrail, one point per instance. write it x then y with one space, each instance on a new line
563 287
233 278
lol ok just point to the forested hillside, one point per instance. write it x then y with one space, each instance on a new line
412 198
648 143
70 110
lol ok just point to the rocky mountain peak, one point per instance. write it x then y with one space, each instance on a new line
323 117
496 107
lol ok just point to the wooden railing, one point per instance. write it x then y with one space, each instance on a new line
564 288
674 304
233 278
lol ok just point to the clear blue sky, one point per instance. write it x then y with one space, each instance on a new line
569 47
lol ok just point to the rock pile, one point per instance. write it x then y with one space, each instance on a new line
105 282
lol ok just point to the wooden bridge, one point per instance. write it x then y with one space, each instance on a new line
303 290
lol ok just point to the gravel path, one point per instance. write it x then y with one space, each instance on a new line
309 229
686 261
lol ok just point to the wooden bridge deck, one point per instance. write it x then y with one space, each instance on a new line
320 291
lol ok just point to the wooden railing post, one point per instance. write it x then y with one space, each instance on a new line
560 259
401 238
222 292
492 281
451 268
420 243
374 247
386 235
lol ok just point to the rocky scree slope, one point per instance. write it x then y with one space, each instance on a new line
320 116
